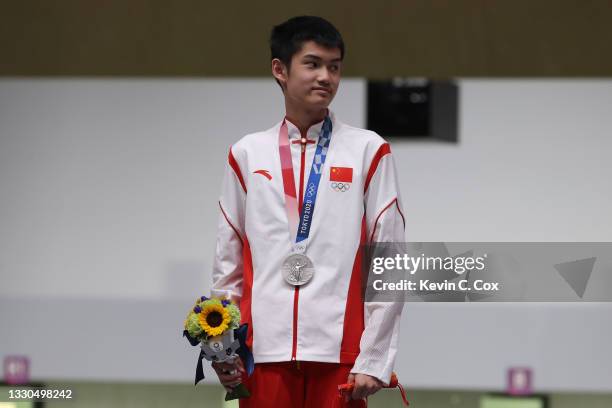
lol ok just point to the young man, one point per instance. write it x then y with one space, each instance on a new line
297 202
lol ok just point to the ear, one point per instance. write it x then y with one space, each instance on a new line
279 71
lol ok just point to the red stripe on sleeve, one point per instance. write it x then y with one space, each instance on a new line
230 224
383 150
236 168
399 210
247 292
381 213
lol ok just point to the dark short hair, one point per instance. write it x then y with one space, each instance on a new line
288 38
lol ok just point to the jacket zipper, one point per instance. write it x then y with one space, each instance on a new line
296 293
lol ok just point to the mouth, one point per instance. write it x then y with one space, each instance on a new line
325 90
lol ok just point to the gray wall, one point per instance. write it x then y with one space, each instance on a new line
109 192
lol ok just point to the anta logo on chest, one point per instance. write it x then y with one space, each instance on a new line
264 173
340 178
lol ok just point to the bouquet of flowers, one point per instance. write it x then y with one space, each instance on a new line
215 325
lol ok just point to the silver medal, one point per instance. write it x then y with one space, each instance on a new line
297 269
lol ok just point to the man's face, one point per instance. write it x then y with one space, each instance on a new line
314 76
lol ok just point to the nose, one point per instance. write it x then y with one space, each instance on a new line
324 75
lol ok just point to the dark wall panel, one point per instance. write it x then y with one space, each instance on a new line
387 38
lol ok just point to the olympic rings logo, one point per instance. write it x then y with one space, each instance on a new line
341 187
311 189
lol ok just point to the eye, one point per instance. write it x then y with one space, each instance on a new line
311 64
334 68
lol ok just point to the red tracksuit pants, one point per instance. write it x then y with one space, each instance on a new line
304 384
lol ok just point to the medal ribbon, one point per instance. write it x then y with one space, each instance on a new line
300 226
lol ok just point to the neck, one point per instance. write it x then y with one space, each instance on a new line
304 119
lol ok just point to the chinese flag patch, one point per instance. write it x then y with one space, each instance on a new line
341 174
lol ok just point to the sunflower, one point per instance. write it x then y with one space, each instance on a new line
214 319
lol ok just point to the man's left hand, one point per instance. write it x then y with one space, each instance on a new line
365 385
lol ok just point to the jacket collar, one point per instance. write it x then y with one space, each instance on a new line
313 131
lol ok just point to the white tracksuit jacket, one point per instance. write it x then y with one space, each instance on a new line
325 320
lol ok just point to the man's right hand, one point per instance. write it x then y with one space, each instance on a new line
224 372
